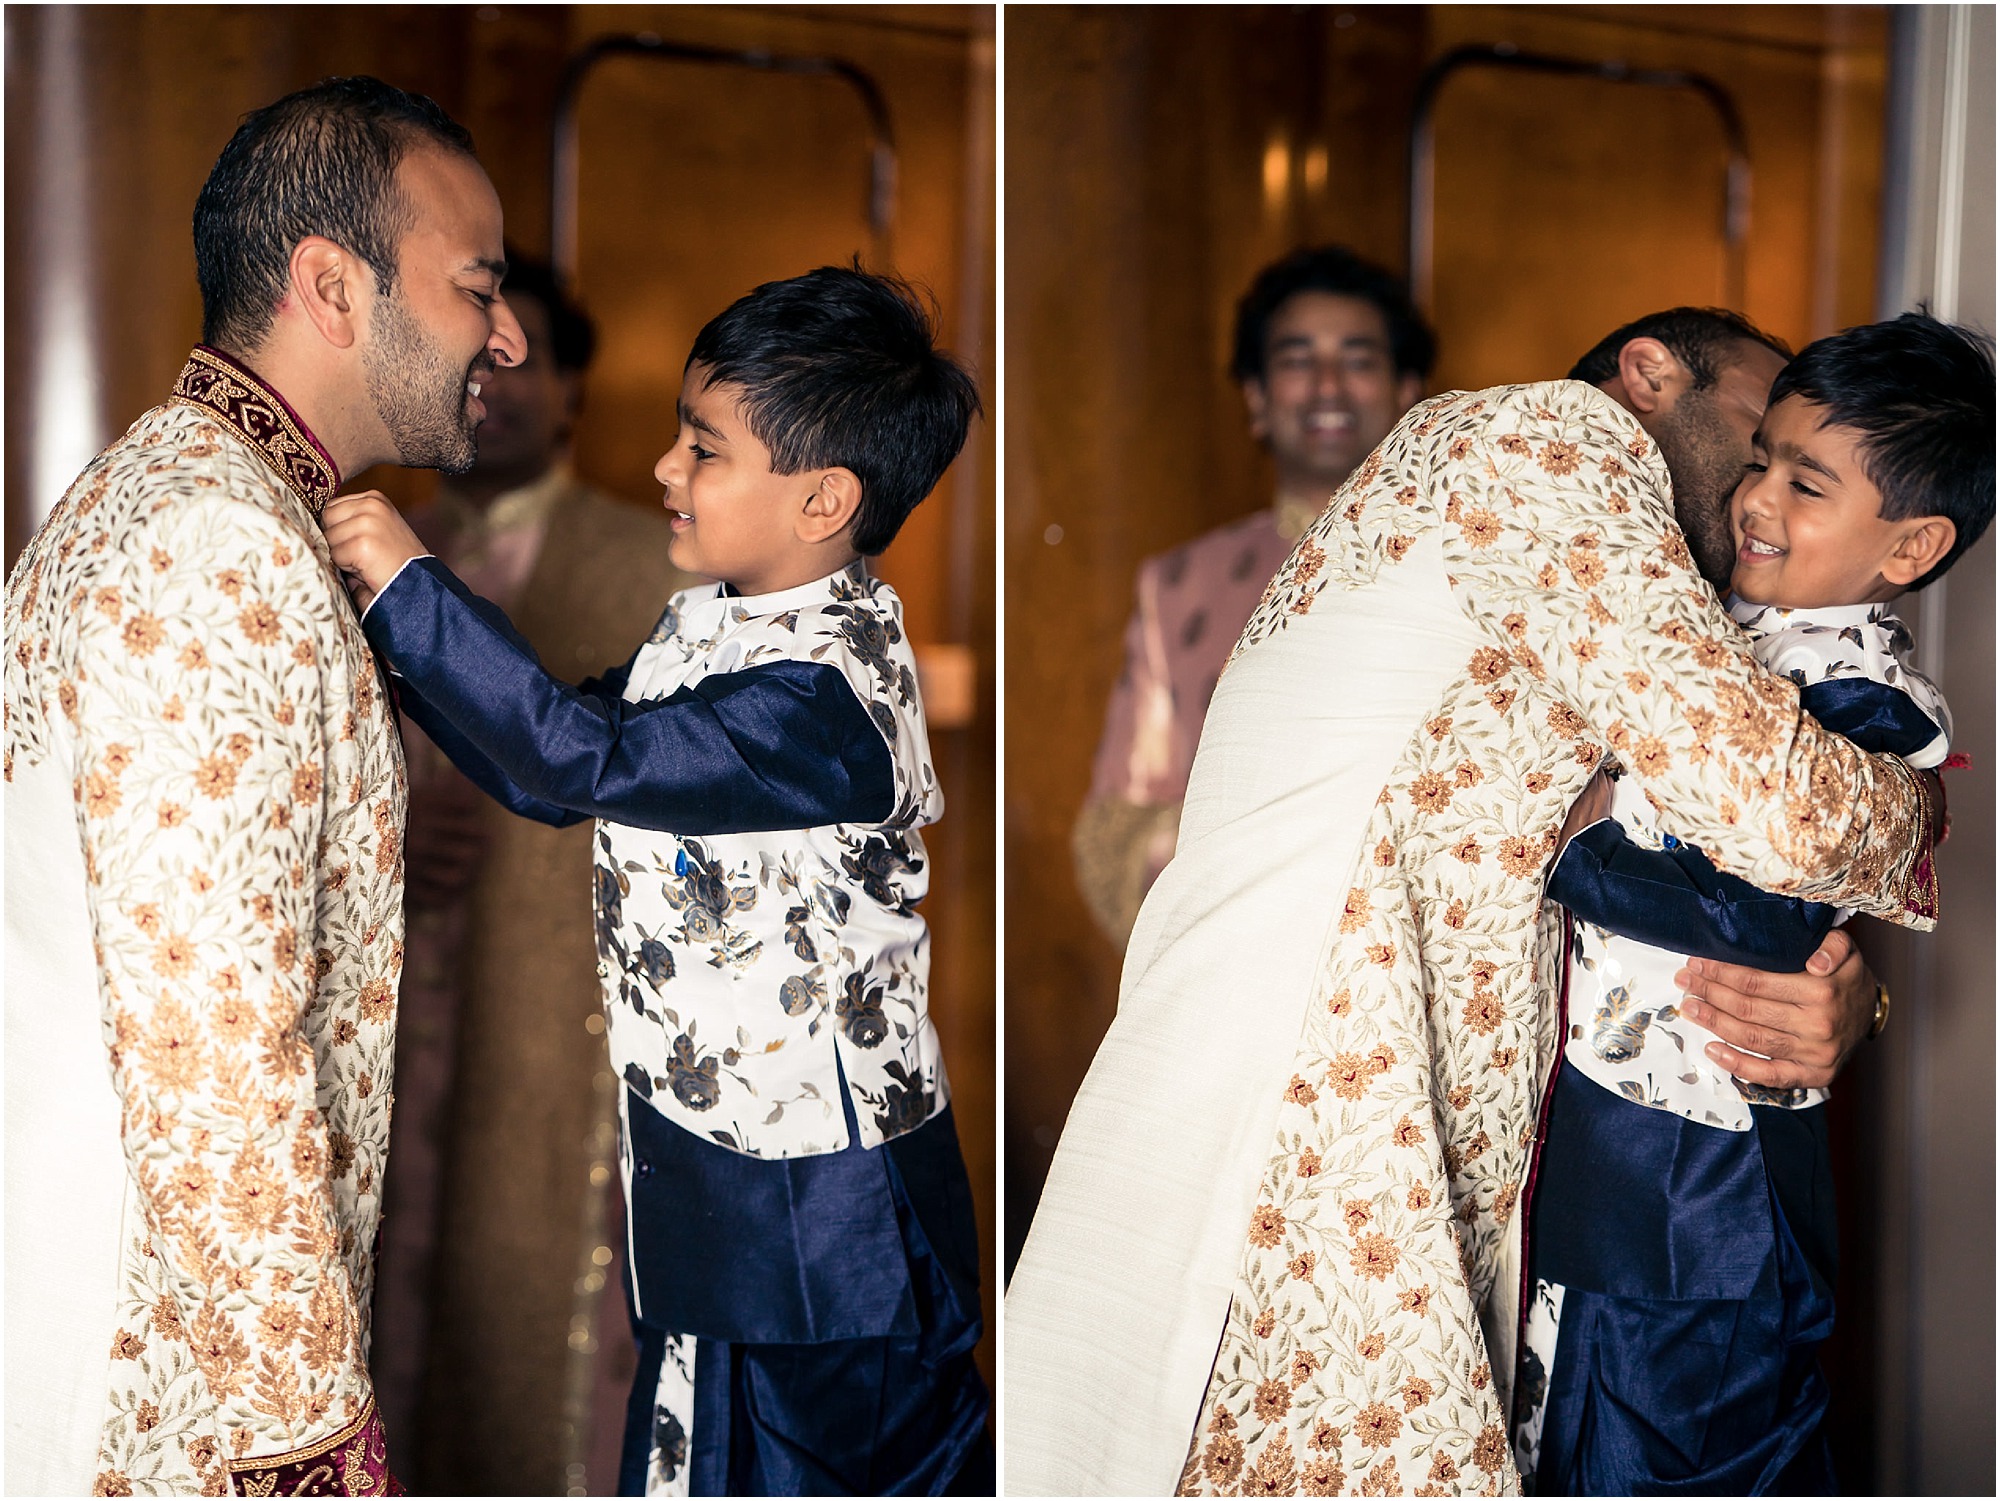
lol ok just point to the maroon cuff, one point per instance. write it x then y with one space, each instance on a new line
354 1462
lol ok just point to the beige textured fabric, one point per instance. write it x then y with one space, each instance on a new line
1307 1132
533 1096
186 676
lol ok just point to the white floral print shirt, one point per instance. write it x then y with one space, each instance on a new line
749 963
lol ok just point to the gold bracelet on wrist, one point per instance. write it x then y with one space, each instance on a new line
1881 1011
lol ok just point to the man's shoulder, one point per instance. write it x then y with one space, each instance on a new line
177 452
173 463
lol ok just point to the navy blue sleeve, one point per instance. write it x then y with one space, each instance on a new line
1675 899
1875 716
785 745
468 758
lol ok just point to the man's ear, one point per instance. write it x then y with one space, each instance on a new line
1652 376
831 507
1919 549
1409 391
1257 401
329 285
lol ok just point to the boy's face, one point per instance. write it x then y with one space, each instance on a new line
1807 519
733 519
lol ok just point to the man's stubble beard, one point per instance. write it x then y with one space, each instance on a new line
417 392
1705 465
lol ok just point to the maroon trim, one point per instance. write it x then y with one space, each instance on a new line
227 390
354 1462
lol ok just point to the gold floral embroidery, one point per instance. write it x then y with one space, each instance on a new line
1441 959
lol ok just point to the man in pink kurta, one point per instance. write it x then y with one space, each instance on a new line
1329 353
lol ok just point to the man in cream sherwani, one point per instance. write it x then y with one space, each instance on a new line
204 799
1278 1251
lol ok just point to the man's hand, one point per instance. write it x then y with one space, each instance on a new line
370 541
1805 1025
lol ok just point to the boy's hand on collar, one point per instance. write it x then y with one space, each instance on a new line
370 542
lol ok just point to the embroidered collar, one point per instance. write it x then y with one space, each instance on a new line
259 416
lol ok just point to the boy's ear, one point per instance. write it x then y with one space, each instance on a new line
1927 539
831 506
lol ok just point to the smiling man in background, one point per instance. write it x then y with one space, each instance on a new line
204 802
1329 352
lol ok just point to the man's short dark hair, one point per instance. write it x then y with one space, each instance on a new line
572 335
1334 269
1920 395
319 162
840 368
1705 339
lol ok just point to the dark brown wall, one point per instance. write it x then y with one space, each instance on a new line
1158 156
697 184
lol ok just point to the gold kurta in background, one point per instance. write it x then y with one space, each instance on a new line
504 1245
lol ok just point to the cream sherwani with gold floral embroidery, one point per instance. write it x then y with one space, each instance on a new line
204 805
1278 1250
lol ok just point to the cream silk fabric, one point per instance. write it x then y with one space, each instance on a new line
204 931
1308 1129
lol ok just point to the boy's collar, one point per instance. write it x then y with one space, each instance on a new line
1743 612
843 583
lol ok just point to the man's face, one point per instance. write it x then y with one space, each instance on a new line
1329 392
528 406
445 327
1704 441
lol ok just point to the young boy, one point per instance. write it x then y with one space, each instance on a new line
1682 1244
804 1270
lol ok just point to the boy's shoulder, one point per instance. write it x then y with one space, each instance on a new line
1852 664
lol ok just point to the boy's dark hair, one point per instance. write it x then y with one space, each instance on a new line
1704 339
1335 269
840 368
572 335
321 161
1920 394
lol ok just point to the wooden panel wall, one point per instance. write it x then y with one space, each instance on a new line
1158 156
696 185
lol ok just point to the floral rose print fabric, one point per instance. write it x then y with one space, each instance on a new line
738 966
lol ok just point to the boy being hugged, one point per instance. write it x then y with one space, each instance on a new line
804 1266
1683 1240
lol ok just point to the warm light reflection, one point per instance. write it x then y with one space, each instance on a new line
1315 170
1277 173
66 433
